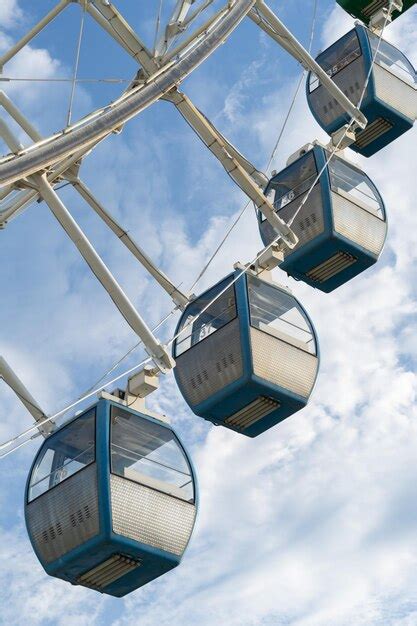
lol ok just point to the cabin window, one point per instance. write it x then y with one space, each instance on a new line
337 57
64 454
390 58
217 315
149 454
293 182
346 179
277 313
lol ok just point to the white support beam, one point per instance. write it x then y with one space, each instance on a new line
174 26
199 32
18 117
155 349
269 22
259 177
110 18
10 378
179 298
214 141
33 32
68 166
24 199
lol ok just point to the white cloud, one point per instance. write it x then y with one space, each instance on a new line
10 13
310 524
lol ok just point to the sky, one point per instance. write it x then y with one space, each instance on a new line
313 523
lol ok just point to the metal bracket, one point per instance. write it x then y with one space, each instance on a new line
383 17
270 258
343 138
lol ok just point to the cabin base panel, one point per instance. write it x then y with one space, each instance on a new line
329 265
250 411
126 566
385 125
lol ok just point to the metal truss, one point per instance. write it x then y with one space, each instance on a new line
194 30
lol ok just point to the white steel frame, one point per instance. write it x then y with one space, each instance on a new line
30 173
29 402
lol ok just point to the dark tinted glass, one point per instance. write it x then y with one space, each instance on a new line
66 452
194 329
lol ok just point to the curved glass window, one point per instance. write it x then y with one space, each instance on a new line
63 454
389 57
149 454
292 182
217 315
337 57
346 179
277 313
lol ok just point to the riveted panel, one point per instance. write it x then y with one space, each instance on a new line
66 516
308 224
210 365
282 364
350 80
358 225
395 92
151 517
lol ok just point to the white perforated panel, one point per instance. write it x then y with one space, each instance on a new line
151 517
395 92
283 364
358 225
66 516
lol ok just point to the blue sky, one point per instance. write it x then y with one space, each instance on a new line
315 522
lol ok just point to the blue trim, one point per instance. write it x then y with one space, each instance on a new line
314 252
92 552
249 387
372 106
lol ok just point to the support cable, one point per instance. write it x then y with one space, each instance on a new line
77 62
209 304
271 158
157 25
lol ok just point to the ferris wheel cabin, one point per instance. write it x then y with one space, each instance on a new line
111 500
342 226
390 100
365 9
250 359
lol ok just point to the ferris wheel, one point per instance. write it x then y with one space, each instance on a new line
111 498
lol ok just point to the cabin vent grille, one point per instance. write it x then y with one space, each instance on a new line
332 266
66 516
373 7
252 413
373 131
210 365
108 572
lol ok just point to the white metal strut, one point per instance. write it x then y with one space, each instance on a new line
238 168
266 19
12 380
158 352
